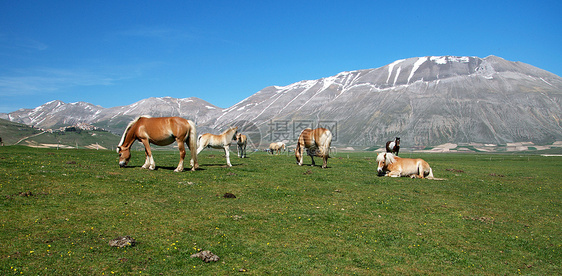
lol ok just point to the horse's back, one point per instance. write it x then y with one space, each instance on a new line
412 166
242 139
390 146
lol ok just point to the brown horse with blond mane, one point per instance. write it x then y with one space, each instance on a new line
221 141
394 166
316 142
160 131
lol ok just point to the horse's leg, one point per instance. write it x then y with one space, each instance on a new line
227 153
181 147
149 162
312 157
325 165
394 174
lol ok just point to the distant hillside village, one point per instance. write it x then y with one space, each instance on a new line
74 128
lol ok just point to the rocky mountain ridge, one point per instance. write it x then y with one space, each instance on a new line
57 114
424 100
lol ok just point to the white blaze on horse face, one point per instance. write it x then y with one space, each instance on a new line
124 156
380 166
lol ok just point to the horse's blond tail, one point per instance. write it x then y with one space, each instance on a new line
430 175
325 143
192 140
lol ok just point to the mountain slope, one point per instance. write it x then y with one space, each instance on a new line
58 114
426 101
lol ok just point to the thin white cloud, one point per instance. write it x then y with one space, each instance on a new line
23 43
49 80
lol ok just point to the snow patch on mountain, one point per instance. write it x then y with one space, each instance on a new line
417 65
391 67
444 59
397 74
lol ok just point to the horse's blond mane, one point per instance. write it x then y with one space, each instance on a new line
380 157
390 158
387 157
129 127
229 129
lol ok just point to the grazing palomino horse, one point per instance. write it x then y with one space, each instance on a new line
393 146
316 142
276 147
394 166
160 131
221 141
241 142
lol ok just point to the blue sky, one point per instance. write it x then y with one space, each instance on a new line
115 53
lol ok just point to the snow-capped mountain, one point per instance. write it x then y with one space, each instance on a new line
424 100
56 113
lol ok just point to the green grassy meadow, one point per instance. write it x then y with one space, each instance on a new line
496 214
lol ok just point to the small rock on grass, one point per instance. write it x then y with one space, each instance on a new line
207 256
122 242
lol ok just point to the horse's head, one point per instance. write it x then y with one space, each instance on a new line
383 160
124 155
397 141
298 153
234 133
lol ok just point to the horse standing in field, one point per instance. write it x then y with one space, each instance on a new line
242 140
160 131
394 166
316 142
221 141
276 147
393 146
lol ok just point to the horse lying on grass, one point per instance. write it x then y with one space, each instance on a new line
160 131
394 166
316 142
221 141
